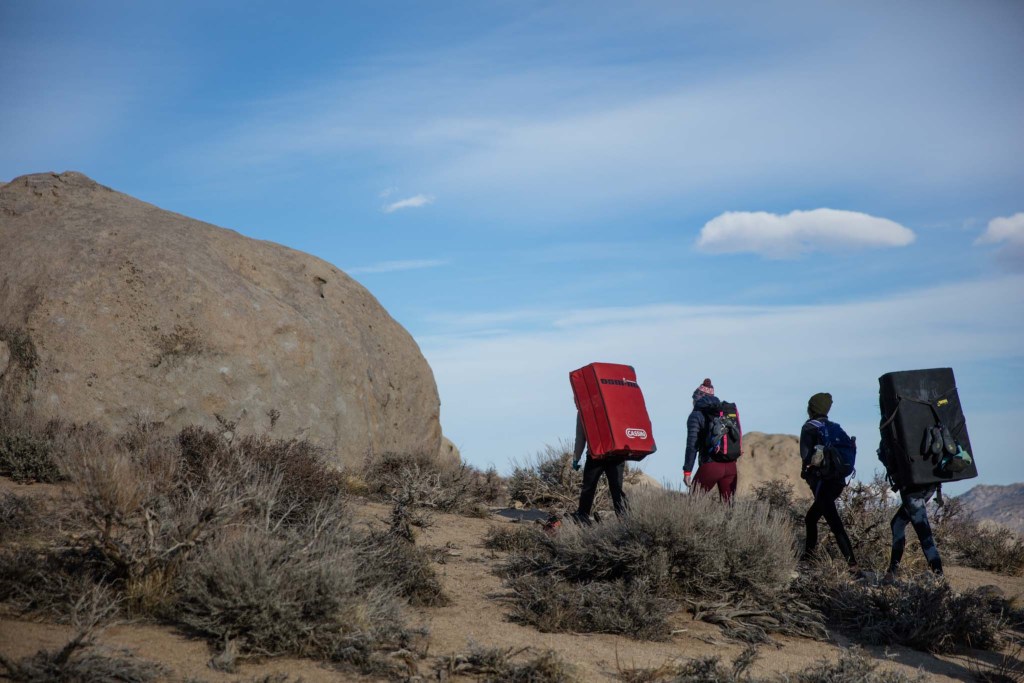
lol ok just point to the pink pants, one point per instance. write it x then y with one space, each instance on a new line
722 474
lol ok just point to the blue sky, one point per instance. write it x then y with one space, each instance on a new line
786 197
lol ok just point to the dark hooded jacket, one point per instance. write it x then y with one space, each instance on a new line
696 447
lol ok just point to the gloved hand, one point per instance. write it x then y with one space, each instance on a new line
576 464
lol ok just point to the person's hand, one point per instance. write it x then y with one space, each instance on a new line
686 480
576 464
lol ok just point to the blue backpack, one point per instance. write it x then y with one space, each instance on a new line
840 450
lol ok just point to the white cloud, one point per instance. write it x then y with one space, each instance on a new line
797 232
409 203
395 266
504 397
1008 233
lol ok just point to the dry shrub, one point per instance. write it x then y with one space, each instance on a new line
514 537
141 519
921 611
698 670
423 480
632 607
391 559
970 543
732 564
851 666
301 590
549 481
30 447
20 516
305 479
81 659
506 665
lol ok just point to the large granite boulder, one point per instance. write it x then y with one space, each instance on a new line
113 309
769 456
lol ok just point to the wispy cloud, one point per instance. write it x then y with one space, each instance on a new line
1008 233
395 266
409 203
798 232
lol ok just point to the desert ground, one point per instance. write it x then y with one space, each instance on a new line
477 614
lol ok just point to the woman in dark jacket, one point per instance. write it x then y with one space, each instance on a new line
711 473
825 491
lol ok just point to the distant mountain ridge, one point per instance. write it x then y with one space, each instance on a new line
1001 504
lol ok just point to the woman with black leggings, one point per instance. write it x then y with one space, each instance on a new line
825 491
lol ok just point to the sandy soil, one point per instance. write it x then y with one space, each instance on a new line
477 614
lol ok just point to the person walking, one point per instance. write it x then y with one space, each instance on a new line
710 472
913 510
826 486
613 467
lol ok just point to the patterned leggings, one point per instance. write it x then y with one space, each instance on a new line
914 511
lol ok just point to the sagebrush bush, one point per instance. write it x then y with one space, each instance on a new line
921 611
549 481
297 590
852 666
20 516
514 537
390 559
968 542
683 547
506 665
81 659
30 447
630 607
423 480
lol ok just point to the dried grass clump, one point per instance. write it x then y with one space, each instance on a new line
921 611
299 467
81 659
423 480
31 447
506 665
686 548
514 537
20 516
633 608
549 481
301 590
970 543
851 666
391 559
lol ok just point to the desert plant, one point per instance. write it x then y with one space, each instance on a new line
298 590
968 542
19 516
30 446
422 480
80 659
514 537
506 665
920 611
549 481
731 564
631 607
708 669
852 665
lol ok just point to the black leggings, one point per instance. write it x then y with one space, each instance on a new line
614 469
825 495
